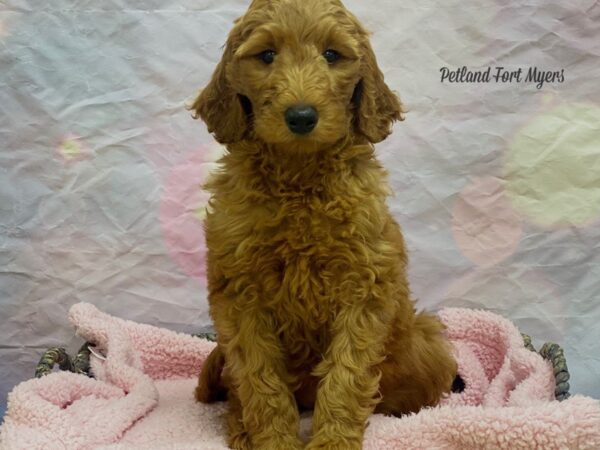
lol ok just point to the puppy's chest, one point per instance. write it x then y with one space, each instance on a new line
306 300
300 256
309 247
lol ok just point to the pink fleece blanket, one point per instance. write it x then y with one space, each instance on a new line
142 396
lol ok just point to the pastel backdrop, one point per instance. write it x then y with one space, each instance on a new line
497 186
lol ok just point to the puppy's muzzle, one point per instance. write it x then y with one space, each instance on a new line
301 119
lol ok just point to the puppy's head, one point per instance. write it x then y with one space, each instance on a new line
297 73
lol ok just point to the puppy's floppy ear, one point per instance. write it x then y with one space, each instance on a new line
377 106
218 105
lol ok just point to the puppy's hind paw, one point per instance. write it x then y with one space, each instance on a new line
240 441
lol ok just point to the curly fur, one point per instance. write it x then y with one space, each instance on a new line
306 266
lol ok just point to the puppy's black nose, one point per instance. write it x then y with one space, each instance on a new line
301 119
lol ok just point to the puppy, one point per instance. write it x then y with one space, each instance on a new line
306 266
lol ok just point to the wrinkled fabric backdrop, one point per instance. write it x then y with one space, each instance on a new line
497 185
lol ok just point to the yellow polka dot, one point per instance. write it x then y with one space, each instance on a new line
553 167
215 152
72 148
201 213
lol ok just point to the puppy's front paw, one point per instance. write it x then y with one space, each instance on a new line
287 443
324 443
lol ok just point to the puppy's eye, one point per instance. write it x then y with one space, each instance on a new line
331 56
268 56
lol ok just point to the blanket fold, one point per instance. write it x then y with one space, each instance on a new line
142 396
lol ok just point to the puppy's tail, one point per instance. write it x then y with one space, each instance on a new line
210 387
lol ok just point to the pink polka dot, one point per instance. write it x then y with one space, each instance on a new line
181 207
3 29
485 227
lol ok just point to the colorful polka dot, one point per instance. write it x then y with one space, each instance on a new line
553 167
